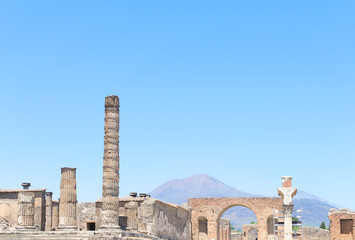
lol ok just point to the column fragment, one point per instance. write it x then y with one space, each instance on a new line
48 226
110 189
55 214
26 211
67 202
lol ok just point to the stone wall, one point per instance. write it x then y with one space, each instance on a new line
342 224
128 211
314 233
250 232
9 207
235 235
8 210
85 214
167 221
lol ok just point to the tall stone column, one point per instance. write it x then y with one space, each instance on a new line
26 211
287 192
67 202
110 189
48 226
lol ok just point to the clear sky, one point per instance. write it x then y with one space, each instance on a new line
245 91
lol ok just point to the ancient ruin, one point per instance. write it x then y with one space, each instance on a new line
26 210
110 189
206 213
33 214
342 224
67 202
49 211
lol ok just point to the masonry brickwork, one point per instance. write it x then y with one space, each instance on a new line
342 224
250 232
224 229
213 208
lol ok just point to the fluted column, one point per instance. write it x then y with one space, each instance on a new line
110 189
55 214
26 211
48 226
67 202
132 215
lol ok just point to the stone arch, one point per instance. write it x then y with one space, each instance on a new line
245 204
213 208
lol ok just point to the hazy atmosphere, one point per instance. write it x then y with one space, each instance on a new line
244 91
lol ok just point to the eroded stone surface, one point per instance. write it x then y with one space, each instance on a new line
110 188
68 200
314 233
213 208
168 221
342 224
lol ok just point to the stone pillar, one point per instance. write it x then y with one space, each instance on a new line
287 192
287 210
55 214
48 226
26 211
110 190
132 215
67 202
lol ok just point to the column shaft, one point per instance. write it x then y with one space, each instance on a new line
48 226
55 214
288 221
110 189
26 210
67 203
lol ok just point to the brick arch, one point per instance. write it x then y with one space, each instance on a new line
213 208
241 204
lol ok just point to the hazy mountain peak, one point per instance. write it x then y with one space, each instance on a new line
200 185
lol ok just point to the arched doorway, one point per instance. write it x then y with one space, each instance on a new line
239 221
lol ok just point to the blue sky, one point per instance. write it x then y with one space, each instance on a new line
245 91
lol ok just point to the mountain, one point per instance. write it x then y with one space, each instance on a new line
197 186
305 195
178 191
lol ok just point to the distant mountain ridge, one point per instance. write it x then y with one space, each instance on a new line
202 185
178 191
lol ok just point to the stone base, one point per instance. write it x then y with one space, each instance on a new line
78 235
26 228
109 228
67 228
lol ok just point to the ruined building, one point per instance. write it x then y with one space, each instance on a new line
33 214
